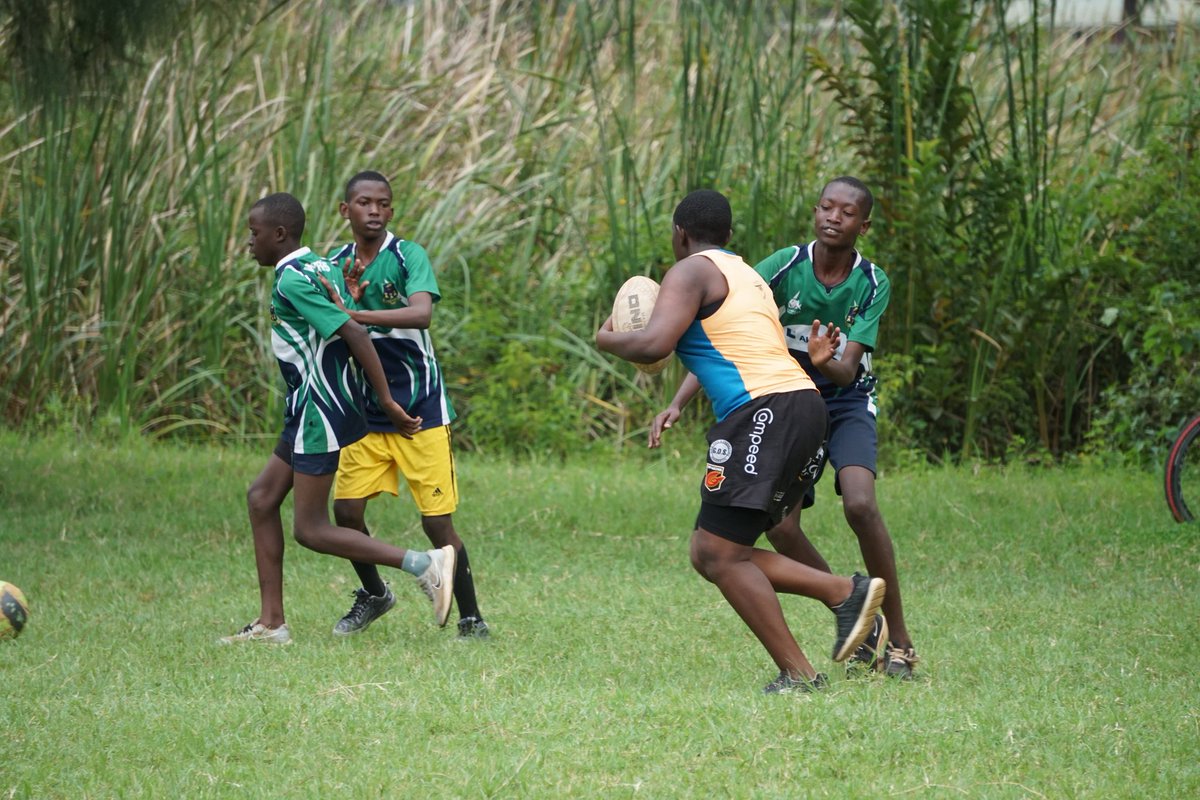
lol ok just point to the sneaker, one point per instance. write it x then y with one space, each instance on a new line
785 684
869 654
366 609
856 614
472 628
437 581
900 662
257 632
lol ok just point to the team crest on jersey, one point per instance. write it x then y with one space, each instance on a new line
794 306
714 477
390 293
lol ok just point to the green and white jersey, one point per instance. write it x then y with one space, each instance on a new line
855 305
324 407
401 270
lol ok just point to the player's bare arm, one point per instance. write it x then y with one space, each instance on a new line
359 342
841 371
417 314
685 288
688 388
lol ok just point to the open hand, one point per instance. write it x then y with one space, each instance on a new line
823 346
352 272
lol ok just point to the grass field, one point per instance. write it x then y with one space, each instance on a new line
1056 612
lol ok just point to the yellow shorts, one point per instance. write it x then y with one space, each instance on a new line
374 464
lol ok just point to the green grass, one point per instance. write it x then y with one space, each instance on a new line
1055 611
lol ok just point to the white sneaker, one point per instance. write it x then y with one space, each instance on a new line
437 581
257 632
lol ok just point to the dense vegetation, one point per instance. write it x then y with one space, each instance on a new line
1035 190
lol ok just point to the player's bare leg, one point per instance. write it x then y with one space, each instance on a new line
314 531
879 556
788 538
735 570
263 501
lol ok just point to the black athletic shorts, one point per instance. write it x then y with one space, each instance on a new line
852 438
761 458
308 463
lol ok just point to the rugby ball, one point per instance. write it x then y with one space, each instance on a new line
631 312
14 611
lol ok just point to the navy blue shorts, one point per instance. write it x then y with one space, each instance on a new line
308 463
853 441
761 458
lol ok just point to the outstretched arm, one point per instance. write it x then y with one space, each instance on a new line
821 349
359 342
417 314
665 419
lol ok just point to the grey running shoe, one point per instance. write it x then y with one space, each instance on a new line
472 628
437 581
856 614
257 632
900 662
366 609
785 684
869 654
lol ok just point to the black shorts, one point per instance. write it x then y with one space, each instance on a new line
761 458
307 463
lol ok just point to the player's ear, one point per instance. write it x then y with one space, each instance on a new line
865 227
344 209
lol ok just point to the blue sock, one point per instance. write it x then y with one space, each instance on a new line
415 562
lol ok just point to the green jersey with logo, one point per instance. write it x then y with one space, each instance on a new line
854 305
324 407
400 270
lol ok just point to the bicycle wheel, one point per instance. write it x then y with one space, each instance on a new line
1180 483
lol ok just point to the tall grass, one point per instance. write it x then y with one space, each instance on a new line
537 151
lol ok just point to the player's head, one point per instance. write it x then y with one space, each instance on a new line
276 225
367 205
703 217
844 211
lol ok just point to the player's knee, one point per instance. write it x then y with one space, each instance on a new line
259 500
440 531
862 513
704 560
348 515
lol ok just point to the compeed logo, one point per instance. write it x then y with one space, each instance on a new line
714 477
762 418
720 451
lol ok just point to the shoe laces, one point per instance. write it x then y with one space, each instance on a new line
906 654
362 599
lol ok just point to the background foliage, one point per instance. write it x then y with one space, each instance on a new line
1034 213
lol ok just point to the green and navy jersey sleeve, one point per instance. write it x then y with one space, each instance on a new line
299 288
323 409
873 293
418 272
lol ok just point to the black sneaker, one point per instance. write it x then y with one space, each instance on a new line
869 655
472 628
366 609
786 684
856 614
900 662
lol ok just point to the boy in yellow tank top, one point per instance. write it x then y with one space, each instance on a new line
718 315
